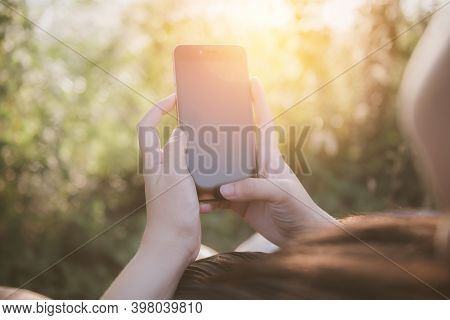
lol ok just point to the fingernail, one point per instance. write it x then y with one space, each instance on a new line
204 207
227 190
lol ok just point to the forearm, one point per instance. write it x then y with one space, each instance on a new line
153 273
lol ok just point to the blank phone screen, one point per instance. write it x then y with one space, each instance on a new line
214 103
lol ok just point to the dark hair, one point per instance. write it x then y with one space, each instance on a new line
371 257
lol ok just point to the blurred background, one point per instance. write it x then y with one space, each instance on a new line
68 147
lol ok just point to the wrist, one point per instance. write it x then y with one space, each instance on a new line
170 246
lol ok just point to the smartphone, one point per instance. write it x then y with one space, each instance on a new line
215 109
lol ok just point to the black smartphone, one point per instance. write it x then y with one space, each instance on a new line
214 107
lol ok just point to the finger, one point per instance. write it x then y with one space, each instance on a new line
206 207
255 189
147 133
149 145
263 114
239 207
210 206
269 157
174 154
154 115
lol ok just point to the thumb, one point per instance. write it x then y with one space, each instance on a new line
256 189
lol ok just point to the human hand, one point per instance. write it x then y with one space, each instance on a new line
173 219
276 205
172 234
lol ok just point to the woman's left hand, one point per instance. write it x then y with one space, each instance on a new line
172 235
171 198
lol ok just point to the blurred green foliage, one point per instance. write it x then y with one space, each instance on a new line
68 152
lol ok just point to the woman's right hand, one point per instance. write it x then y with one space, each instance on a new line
276 205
